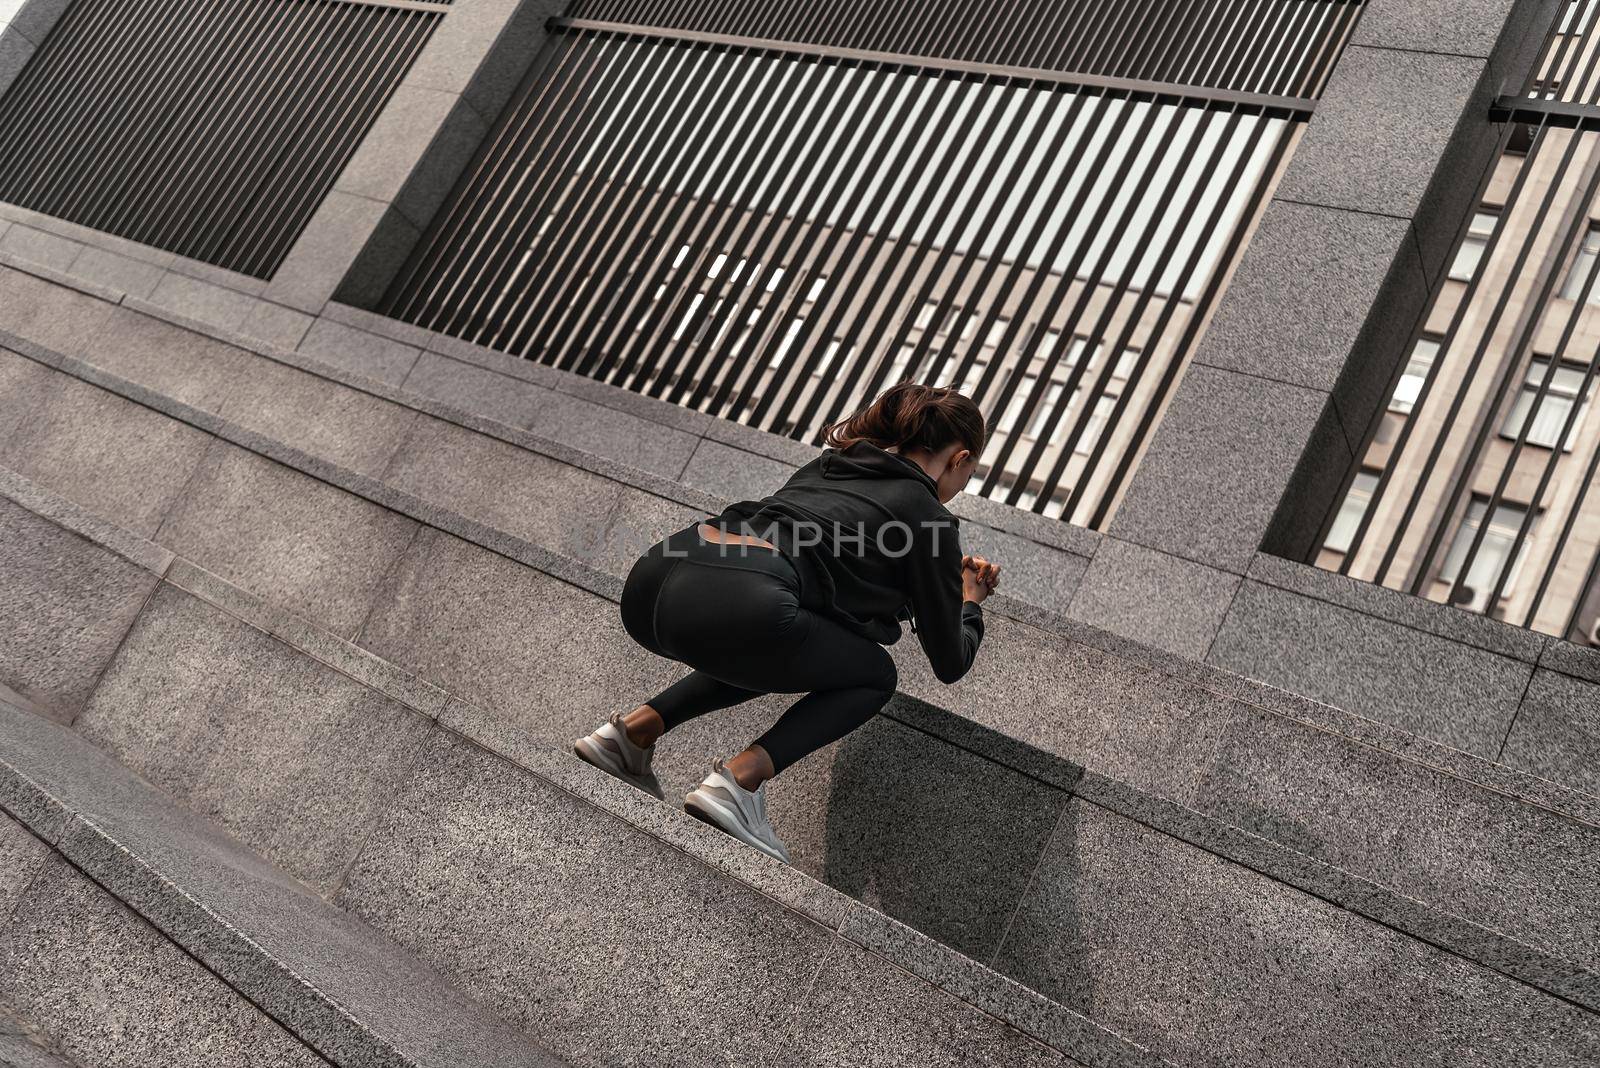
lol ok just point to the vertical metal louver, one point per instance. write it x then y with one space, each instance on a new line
770 212
209 128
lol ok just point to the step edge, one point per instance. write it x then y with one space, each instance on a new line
1270 859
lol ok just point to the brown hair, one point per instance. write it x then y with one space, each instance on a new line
913 416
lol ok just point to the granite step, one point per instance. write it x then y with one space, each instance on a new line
1018 886
400 522
298 981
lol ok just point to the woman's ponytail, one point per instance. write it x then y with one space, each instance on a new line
913 416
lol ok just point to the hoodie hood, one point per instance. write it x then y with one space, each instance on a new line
866 461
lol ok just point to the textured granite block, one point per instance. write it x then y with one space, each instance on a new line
103 267
360 352
325 250
182 364
640 520
348 992
110 991
1474 853
496 483
1039 574
554 917
484 51
122 461
65 604
560 417
202 300
1151 597
733 473
861 1010
318 416
276 325
21 857
301 543
503 636
1208 963
293 758
1428 685
22 1045
22 383
35 18
1557 731
1213 478
39 246
47 314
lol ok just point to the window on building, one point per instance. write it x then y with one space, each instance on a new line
1409 387
1553 407
1582 265
1493 553
1343 531
1473 246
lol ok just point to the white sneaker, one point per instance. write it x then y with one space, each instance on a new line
610 750
723 803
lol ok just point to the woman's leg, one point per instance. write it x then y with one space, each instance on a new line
693 695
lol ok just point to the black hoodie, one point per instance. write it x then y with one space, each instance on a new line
875 546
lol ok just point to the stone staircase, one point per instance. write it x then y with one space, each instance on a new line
315 649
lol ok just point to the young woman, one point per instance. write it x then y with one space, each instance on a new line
800 591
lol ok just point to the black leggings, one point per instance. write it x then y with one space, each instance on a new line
735 614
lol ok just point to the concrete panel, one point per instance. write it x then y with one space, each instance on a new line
276 325
182 364
1208 963
39 246
289 756
110 991
483 51
861 1010
324 251
534 874
520 492
733 473
65 604
416 149
1473 853
560 417
1039 574
49 315
1302 295
1424 684
124 462
1154 598
1213 478
304 545
1453 27
35 18
22 383
318 416
103 267
21 858
359 352
205 301
1557 731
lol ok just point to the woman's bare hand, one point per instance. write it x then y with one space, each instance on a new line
979 578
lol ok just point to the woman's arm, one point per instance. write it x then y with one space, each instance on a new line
949 621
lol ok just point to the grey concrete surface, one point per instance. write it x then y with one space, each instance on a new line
359 352
640 443
1167 944
39 246
344 990
184 365
47 314
23 1046
1556 733
536 876
291 757
201 299
111 992
348 427
311 548
1152 597
122 461
107 268
320 257
1429 685
21 857
1213 478
65 604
